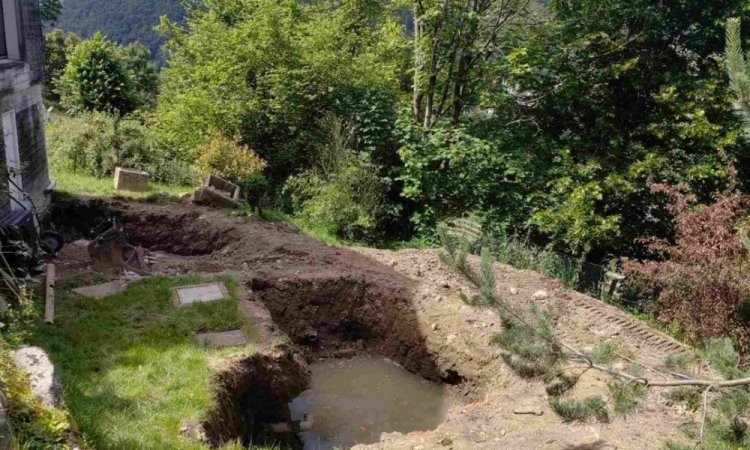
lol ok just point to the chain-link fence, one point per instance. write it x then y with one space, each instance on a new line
591 279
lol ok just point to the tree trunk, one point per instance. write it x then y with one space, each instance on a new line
417 95
459 88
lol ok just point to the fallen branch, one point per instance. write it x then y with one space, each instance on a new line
646 382
705 412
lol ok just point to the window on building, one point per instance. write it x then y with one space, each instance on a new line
9 36
3 43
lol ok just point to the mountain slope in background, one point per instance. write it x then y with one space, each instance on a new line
123 21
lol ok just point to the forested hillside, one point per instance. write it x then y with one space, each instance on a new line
123 21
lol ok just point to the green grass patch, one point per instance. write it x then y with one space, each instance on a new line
132 369
87 185
319 233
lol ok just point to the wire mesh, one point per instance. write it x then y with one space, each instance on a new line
594 280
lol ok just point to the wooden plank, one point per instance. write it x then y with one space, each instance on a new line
49 295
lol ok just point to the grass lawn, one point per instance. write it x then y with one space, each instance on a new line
80 184
131 368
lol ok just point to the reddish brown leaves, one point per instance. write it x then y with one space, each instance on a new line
704 277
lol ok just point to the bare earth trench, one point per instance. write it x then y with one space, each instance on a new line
405 305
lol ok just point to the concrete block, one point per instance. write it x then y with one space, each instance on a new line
131 180
231 338
211 292
212 197
100 291
227 188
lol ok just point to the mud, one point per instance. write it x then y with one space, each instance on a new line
353 401
186 234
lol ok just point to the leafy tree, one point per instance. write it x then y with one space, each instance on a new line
50 11
629 90
58 46
138 63
95 79
452 40
574 115
103 76
266 71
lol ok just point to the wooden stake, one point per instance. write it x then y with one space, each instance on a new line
49 295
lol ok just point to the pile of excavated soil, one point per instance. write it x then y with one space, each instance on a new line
339 302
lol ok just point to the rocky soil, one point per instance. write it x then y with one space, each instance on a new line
339 302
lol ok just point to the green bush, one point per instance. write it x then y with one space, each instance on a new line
95 143
343 205
343 195
226 158
255 187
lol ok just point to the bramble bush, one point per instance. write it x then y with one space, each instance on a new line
700 280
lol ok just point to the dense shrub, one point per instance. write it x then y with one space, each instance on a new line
343 195
96 80
95 143
225 158
345 204
701 278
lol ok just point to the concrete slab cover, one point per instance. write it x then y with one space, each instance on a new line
231 338
187 295
100 291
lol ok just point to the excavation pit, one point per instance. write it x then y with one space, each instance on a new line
320 306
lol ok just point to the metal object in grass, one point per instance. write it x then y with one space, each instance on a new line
466 230
587 278
48 240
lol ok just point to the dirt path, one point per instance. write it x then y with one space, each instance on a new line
337 302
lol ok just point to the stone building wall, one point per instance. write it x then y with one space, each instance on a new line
21 79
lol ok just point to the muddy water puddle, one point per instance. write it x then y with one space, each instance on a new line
353 401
